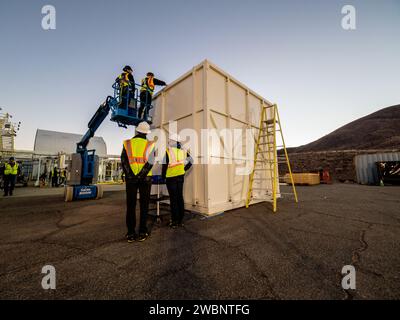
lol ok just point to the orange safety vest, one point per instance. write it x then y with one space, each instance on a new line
138 151
148 85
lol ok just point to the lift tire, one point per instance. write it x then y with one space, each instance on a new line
68 193
99 192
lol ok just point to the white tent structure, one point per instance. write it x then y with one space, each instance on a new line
53 142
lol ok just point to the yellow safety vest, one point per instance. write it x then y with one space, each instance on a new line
11 170
176 164
148 85
123 79
138 151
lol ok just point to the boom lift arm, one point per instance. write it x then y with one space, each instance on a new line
88 156
94 124
85 163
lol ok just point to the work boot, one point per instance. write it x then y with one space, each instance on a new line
143 237
131 237
172 225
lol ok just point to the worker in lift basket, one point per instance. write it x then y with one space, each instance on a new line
146 92
11 171
177 162
137 160
127 87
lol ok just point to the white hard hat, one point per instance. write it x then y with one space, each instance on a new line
175 137
143 127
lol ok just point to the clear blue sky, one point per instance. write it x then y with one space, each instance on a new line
293 52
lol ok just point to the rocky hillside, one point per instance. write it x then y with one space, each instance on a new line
377 131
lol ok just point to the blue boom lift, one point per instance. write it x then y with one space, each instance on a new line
85 163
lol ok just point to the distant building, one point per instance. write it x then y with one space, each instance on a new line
55 148
53 142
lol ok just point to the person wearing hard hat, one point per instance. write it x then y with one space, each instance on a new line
137 160
177 162
11 170
146 92
127 86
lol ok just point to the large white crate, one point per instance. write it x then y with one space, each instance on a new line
206 97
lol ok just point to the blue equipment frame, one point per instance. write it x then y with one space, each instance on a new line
124 111
125 105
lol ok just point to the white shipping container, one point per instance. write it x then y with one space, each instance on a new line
208 98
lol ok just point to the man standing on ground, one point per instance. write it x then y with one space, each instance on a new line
11 170
176 162
137 160
54 177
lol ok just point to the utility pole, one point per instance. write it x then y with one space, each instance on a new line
8 132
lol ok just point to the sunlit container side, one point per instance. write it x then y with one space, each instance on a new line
208 98
365 166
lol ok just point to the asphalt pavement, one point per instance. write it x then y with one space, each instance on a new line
297 253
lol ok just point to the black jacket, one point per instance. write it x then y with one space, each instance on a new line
156 82
142 175
159 82
188 162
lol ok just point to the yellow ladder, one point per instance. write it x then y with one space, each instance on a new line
265 156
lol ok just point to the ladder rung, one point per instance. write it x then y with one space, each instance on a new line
279 162
272 131
265 143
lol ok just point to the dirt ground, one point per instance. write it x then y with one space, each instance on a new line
252 253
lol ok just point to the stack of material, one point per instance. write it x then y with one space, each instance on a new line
304 178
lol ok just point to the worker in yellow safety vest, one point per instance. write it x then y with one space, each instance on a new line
54 175
137 160
11 171
146 92
177 162
127 87
63 175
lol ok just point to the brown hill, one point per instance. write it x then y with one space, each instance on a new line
377 131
